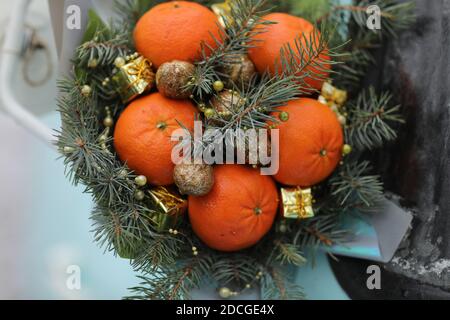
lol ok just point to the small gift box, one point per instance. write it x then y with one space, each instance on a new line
296 203
134 77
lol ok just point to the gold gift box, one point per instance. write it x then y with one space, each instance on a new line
172 205
296 203
134 78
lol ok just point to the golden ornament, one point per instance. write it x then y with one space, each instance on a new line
335 99
240 70
193 179
296 203
172 206
332 95
133 78
172 79
225 104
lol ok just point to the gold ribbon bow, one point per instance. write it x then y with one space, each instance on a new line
297 203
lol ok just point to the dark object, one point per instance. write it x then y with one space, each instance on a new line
416 68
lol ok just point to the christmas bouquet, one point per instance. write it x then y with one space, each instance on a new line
223 141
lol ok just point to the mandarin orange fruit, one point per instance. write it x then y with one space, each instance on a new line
174 31
310 143
142 136
238 211
266 53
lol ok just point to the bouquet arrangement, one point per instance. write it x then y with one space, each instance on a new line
222 141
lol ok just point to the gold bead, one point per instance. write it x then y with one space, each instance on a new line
342 119
209 112
108 122
119 62
92 63
175 232
68 149
139 195
218 86
248 286
225 293
194 248
284 116
140 180
346 149
123 173
195 253
86 90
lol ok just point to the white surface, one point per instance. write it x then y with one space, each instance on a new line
16 161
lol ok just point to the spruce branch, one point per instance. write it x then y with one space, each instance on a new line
395 16
277 284
354 187
298 62
238 269
371 120
323 230
173 282
160 250
289 254
244 25
352 23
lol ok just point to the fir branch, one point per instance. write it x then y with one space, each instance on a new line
371 119
354 187
161 250
323 230
238 269
289 254
279 285
95 57
395 16
244 25
310 56
352 23
106 45
302 60
173 282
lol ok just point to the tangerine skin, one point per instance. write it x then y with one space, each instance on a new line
310 143
174 31
266 53
237 212
142 136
